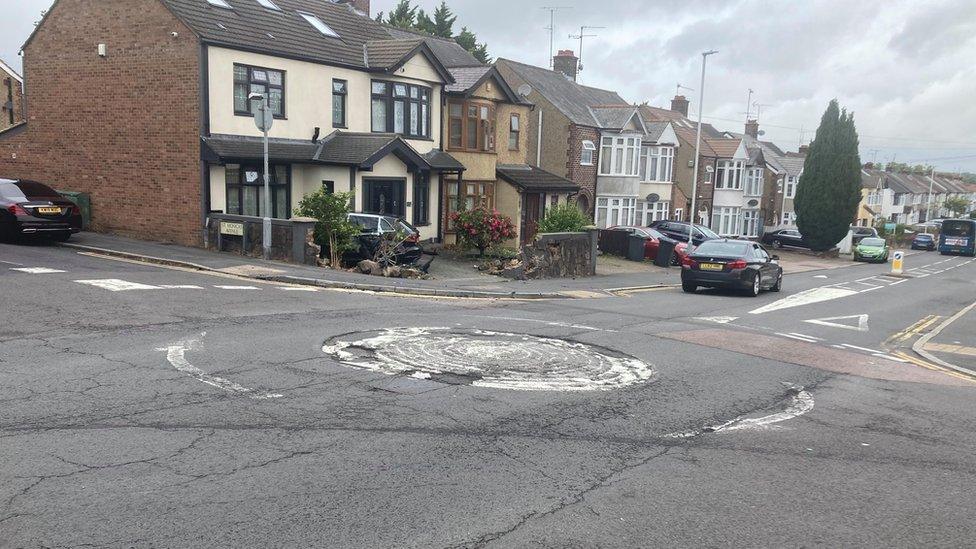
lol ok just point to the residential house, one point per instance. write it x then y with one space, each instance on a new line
733 188
170 137
787 167
11 97
906 198
869 211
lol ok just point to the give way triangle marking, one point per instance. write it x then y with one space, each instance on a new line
861 321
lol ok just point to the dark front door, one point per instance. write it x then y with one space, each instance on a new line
385 196
531 210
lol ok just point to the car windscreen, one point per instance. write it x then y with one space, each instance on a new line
26 190
406 227
958 227
723 248
367 223
873 242
923 237
708 232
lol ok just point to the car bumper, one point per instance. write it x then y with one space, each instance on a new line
737 279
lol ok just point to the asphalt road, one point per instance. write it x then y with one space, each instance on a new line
152 407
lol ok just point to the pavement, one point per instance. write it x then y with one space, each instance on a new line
153 406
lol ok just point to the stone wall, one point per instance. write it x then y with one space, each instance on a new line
560 255
291 239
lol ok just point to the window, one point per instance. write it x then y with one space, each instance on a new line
471 126
678 212
269 82
751 224
612 211
791 186
789 218
586 155
514 130
729 175
339 93
245 190
421 199
329 186
874 199
725 220
468 196
269 4
648 212
656 163
401 108
318 24
219 3
619 155
754 182
554 200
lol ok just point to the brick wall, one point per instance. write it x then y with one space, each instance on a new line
584 176
125 127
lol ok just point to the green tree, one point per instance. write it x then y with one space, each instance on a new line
334 231
829 190
564 218
957 205
469 41
403 15
443 23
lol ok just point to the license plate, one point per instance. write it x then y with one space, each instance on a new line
711 266
49 210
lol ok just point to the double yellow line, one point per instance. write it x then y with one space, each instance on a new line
913 330
929 366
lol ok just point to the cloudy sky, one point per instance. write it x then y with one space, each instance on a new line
904 67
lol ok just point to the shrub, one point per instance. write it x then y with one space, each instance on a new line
564 218
334 231
481 228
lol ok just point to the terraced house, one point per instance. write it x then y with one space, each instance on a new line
11 97
170 135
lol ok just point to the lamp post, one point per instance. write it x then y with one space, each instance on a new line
928 208
263 119
694 177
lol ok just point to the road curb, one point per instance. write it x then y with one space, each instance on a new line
919 345
139 257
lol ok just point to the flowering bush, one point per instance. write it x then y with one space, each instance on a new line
481 228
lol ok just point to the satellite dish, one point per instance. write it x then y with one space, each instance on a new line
653 197
762 132
524 90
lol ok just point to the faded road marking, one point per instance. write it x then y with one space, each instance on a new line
806 297
37 270
862 322
800 403
718 319
176 355
180 287
116 285
238 287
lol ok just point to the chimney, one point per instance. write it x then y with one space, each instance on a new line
680 104
361 6
752 128
567 63
804 149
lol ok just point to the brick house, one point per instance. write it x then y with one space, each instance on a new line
169 137
11 97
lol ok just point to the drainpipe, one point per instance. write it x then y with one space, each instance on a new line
538 144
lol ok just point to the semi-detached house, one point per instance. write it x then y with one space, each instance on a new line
159 129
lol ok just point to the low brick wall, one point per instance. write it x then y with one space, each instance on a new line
560 255
291 239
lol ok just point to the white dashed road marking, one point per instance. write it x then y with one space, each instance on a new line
37 270
297 289
180 287
116 285
238 287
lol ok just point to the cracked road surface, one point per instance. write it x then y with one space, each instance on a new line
104 443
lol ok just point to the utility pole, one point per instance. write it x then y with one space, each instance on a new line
694 178
749 105
552 26
928 209
581 36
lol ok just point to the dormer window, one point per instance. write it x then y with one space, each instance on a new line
269 4
220 4
318 24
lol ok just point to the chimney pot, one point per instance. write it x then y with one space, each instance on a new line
680 104
566 62
752 128
804 149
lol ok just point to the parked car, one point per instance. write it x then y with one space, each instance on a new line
678 230
32 208
733 264
784 237
871 249
923 241
652 242
375 227
860 233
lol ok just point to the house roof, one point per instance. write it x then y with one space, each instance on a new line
793 164
237 147
285 33
655 130
679 121
570 98
723 148
9 70
449 52
870 179
469 79
531 178
442 161
689 135
615 117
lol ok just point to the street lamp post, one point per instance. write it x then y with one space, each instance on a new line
928 208
694 177
263 118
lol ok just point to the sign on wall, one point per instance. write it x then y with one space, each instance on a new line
232 229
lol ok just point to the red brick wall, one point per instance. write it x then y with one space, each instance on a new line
125 127
584 176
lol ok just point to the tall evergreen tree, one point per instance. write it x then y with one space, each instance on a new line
469 41
444 20
829 190
403 15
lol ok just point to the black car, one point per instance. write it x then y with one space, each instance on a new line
375 228
32 208
924 241
784 237
678 230
733 264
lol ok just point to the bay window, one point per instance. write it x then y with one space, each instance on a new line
244 186
612 211
466 196
648 212
725 220
751 223
728 175
656 163
791 186
268 82
400 108
619 156
471 126
754 182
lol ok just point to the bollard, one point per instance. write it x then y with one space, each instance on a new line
896 262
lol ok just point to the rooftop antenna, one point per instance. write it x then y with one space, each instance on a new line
759 107
582 34
552 26
800 141
679 87
749 104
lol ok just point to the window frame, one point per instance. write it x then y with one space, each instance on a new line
344 96
514 131
726 220
661 158
620 147
728 175
483 197
242 183
792 182
624 207
318 24
268 87
484 137
420 205
751 223
754 182
424 98
587 146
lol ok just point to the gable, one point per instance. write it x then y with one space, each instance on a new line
669 137
490 89
419 67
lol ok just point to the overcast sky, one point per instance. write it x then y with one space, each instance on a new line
904 67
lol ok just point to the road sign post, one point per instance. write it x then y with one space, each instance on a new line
264 119
896 262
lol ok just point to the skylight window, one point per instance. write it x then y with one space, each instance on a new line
269 4
317 23
219 3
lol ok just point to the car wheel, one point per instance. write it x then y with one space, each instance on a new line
779 283
777 244
688 287
756 285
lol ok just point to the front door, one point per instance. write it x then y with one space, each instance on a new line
531 210
385 196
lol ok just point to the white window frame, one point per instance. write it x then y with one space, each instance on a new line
319 25
751 223
754 182
615 210
726 220
678 213
624 155
789 218
657 164
269 4
648 212
587 152
728 175
791 182
220 4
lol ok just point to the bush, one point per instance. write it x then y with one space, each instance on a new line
564 218
481 228
334 231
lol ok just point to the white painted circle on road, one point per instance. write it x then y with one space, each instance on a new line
489 359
